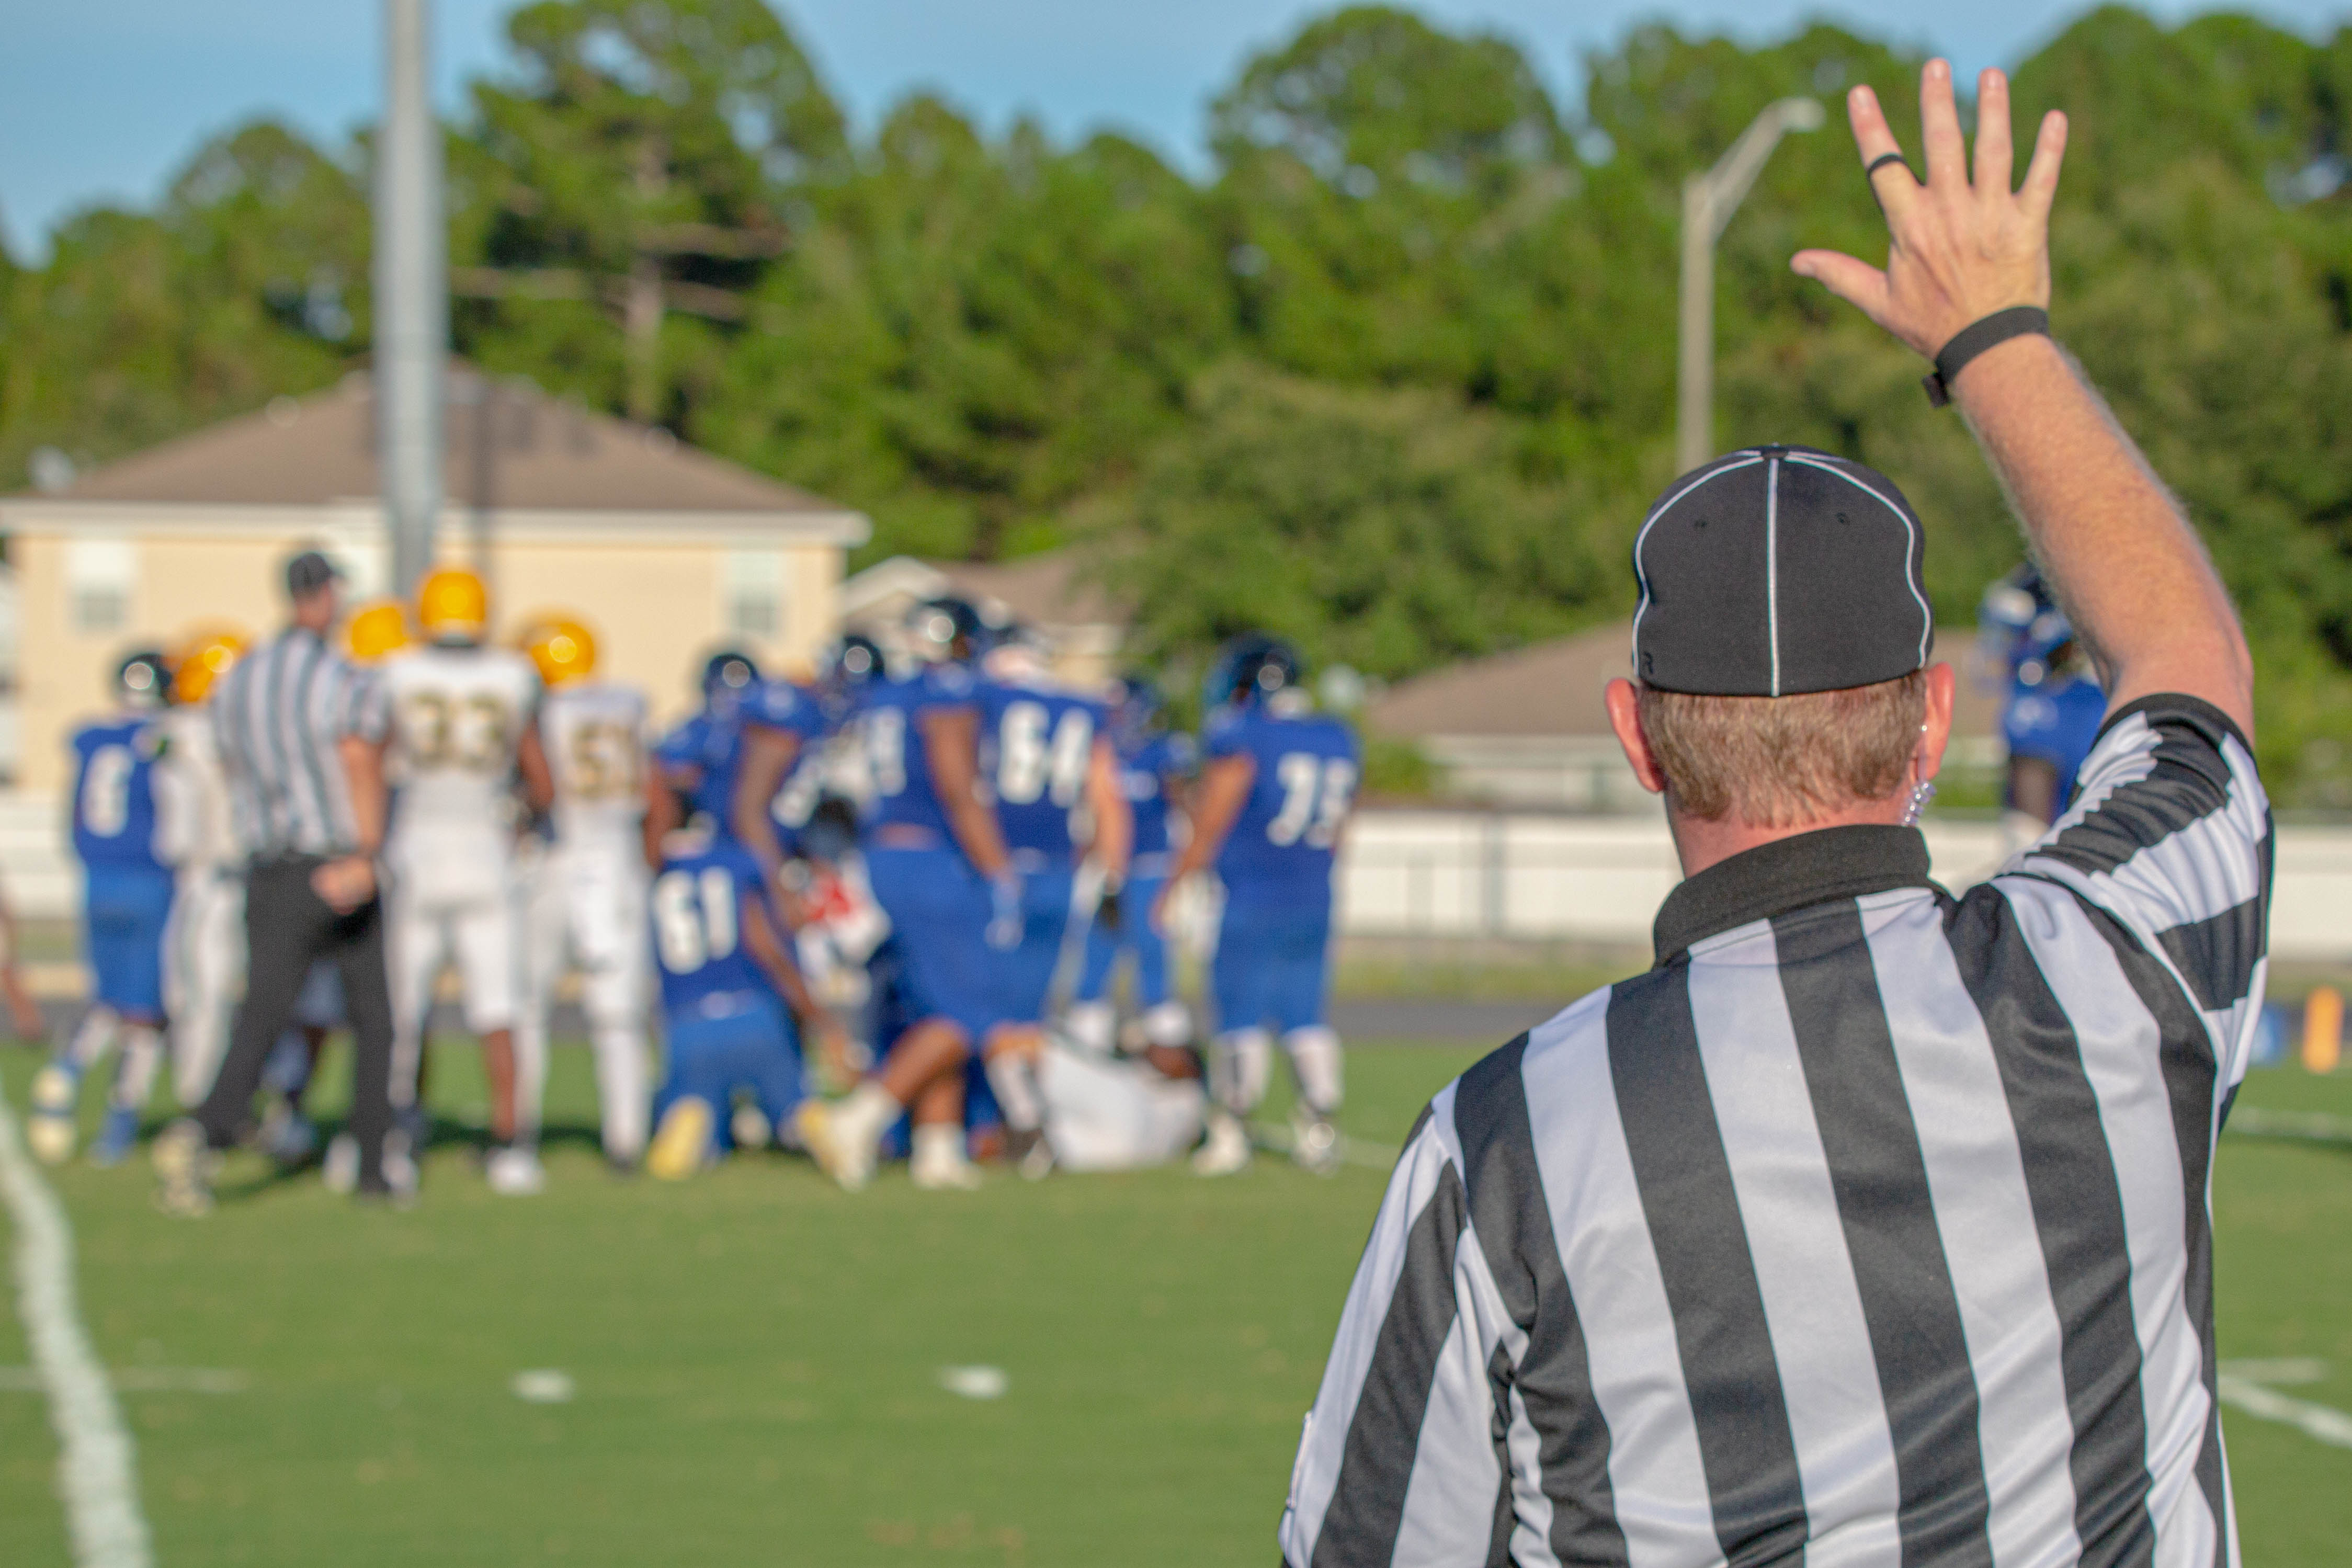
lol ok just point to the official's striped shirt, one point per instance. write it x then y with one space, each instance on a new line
1869 1227
279 713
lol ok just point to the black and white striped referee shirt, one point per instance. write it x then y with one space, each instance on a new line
279 713
1869 1227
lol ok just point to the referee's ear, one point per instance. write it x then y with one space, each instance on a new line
1936 722
1625 717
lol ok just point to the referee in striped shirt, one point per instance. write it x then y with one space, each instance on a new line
1871 1226
301 733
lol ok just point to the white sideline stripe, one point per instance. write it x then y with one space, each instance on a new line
97 1470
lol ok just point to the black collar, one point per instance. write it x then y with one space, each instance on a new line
1788 874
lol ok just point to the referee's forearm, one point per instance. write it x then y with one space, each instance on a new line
2130 568
363 775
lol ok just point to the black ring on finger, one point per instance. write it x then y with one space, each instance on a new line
1881 160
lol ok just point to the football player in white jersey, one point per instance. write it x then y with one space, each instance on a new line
463 732
204 941
586 901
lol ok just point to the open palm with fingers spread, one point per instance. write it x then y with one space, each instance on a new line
1960 245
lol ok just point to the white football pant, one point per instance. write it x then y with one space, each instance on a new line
1110 1115
422 934
203 974
585 909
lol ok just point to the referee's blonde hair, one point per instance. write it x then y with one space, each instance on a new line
1783 762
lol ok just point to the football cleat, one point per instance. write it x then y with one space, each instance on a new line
943 1169
749 1127
341 1170
681 1144
514 1172
287 1136
1315 1142
1225 1150
116 1136
1031 1154
50 1130
184 1169
837 1148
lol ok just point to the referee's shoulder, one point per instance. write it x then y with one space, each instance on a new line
1495 1088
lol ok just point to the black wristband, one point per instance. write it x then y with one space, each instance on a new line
1972 340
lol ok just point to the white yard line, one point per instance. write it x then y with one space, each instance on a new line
2248 1384
97 1470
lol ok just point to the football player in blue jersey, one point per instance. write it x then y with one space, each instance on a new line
727 983
1047 760
2053 706
783 727
1153 763
942 875
124 831
1273 798
698 759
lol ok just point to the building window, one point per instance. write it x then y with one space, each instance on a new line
101 575
753 590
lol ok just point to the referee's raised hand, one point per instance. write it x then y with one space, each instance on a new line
1962 244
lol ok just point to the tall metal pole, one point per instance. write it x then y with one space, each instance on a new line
1708 201
412 298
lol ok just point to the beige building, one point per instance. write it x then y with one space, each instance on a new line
662 550
1527 728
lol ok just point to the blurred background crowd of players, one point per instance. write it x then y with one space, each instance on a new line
919 902
929 879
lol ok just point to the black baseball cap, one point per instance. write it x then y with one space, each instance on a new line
1780 570
308 573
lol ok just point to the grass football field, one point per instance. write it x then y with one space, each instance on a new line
756 1359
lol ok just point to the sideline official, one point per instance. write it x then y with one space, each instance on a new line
302 740
1871 1225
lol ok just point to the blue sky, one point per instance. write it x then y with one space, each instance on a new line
101 99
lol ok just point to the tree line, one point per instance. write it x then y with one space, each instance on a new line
1395 376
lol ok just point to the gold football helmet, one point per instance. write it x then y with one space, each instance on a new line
201 659
452 602
563 648
377 629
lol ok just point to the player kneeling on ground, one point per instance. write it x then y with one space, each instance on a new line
1273 798
123 830
721 952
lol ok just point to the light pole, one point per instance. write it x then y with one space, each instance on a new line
412 295
1708 201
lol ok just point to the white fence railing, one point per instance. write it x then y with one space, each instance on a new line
1506 876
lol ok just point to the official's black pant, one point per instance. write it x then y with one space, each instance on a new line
287 927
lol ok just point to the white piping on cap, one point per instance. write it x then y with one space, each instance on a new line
1772 565
1728 467
1910 542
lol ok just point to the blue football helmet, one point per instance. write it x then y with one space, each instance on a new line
727 677
2021 628
143 679
1250 668
1137 709
950 629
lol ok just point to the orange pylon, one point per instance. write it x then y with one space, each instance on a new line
2323 1029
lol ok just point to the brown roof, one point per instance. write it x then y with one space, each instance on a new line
1554 689
1044 590
516 448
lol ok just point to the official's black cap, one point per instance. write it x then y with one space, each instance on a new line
308 572
1775 571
